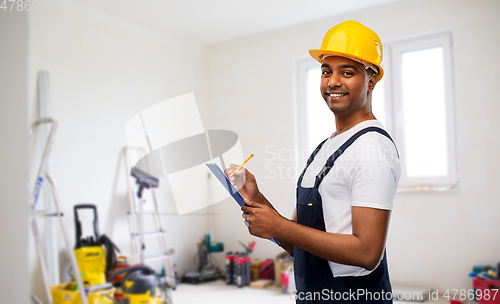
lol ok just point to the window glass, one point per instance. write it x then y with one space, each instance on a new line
424 106
320 120
378 102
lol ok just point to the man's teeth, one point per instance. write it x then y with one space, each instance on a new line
336 95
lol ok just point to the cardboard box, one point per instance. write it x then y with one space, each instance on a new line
279 267
254 268
261 283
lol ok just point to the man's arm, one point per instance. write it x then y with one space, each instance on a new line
363 247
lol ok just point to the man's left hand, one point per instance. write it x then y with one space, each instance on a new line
262 220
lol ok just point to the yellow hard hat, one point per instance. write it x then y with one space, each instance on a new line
355 41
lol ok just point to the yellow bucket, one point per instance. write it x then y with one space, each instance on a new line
64 294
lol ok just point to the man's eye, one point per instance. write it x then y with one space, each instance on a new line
348 73
325 73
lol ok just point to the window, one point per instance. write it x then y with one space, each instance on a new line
414 102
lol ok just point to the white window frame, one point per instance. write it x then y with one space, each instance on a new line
394 50
301 66
393 109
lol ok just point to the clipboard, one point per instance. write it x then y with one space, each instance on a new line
216 170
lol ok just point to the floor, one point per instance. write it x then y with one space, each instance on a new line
218 292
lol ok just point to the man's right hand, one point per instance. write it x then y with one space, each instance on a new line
245 183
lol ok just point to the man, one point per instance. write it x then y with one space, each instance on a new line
345 193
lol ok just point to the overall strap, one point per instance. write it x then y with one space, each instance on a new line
311 158
331 160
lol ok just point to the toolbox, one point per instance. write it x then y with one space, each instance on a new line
487 287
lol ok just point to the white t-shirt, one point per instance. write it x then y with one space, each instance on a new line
365 175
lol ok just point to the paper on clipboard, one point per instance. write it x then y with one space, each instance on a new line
216 170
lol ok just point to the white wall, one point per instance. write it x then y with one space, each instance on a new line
14 37
103 71
434 238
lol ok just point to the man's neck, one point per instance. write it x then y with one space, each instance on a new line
344 123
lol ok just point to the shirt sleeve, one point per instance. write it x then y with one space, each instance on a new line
375 174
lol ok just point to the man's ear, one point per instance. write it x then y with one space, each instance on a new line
372 81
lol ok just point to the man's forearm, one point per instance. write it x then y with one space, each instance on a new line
289 247
339 248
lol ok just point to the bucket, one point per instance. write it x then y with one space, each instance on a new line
64 294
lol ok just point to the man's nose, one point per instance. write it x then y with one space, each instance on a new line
335 81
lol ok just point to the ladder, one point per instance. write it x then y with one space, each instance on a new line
136 224
47 214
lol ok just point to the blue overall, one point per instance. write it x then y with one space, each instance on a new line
313 276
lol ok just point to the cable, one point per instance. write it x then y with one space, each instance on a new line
111 249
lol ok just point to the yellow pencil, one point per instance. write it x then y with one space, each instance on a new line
241 165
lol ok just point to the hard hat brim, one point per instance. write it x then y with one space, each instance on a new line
316 54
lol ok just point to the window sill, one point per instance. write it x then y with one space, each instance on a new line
427 188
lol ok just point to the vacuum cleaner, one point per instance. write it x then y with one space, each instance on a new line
140 285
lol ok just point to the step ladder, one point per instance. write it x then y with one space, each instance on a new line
34 214
135 215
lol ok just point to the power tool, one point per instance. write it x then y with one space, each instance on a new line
206 271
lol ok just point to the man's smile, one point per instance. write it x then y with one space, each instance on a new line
336 95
